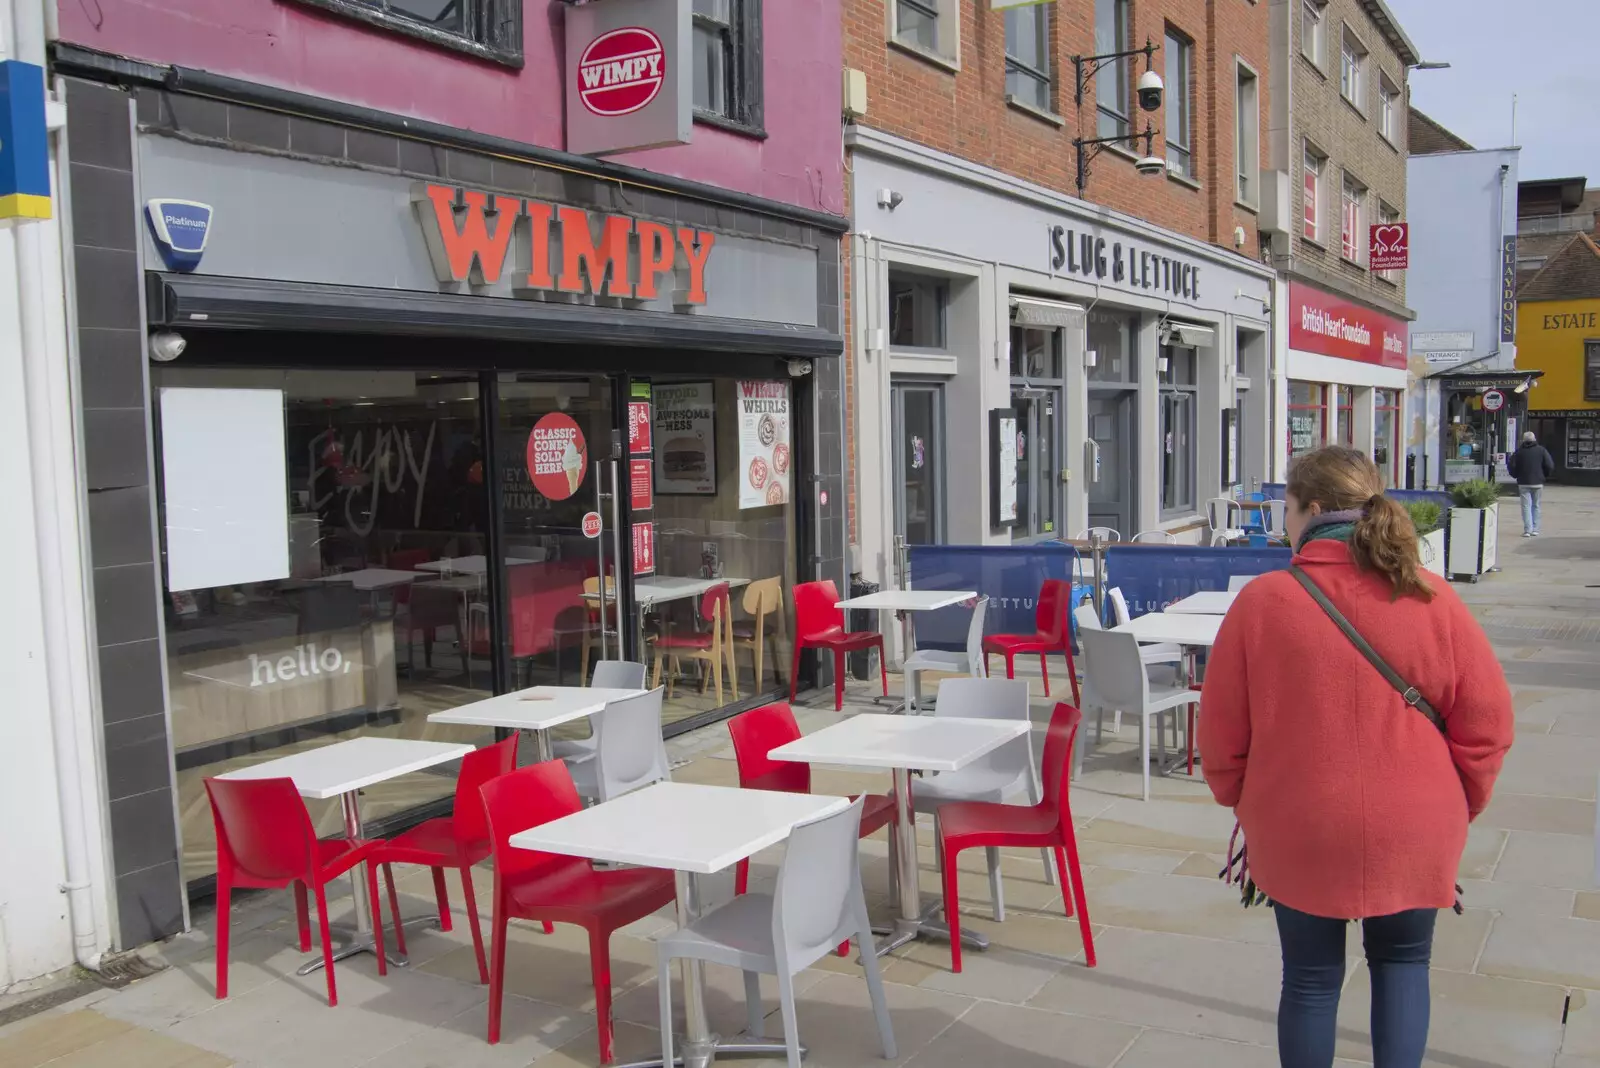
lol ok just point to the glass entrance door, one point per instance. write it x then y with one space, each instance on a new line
1038 463
1111 467
918 417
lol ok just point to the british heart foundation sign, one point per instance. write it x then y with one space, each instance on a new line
1322 323
1390 248
629 75
557 456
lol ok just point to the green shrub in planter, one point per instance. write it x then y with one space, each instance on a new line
1475 493
1424 515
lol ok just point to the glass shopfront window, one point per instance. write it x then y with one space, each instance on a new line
1386 434
1178 445
1307 417
325 572
1113 420
1036 396
1345 408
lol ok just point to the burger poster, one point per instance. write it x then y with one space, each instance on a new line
764 453
685 435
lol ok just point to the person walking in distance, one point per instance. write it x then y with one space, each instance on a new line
1530 465
1354 718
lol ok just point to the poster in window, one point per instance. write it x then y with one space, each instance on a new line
1230 447
685 433
1002 467
644 548
764 452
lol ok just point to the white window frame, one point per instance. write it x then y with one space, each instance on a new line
1246 136
1388 110
1313 32
1352 69
1352 215
946 50
1314 209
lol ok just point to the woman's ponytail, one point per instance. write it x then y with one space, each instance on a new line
1385 540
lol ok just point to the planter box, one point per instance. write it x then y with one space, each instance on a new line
1473 544
1433 552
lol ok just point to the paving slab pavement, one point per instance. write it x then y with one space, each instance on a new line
1185 976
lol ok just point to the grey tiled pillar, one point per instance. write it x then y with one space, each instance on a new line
123 551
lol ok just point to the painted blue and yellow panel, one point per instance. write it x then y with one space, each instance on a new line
24 144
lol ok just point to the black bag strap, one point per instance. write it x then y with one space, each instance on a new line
1410 693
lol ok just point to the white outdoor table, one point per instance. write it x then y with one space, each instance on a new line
693 831
1193 632
904 744
536 710
1204 603
341 770
903 603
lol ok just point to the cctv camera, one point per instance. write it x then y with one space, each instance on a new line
1150 165
166 346
799 368
1150 91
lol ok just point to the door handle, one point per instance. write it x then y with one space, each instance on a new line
1091 450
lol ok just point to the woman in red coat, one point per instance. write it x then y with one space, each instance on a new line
1353 803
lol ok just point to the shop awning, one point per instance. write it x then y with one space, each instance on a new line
181 301
1035 311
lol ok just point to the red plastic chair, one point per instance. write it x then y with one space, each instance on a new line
1051 635
761 730
459 840
819 624
967 825
559 889
265 841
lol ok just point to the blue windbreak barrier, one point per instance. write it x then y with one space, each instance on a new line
1009 575
1274 491
1153 576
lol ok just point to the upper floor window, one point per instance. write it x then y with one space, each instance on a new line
1246 135
1352 220
1111 86
928 26
1180 117
1311 198
1388 110
1353 71
1028 78
1313 33
727 61
491 29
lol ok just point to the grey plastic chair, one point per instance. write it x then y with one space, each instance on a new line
971 662
608 675
1239 582
817 905
1115 678
629 752
1158 653
998 777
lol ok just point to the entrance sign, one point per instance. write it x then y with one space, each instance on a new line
557 456
764 450
630 75
470 233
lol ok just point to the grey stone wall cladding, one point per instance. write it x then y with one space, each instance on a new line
247 128
122 550
1351 140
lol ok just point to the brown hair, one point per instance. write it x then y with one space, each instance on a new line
1385 539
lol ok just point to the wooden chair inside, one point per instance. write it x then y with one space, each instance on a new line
712 646
591 633
762 599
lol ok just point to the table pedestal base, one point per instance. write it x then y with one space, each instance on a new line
928 925
702 1054
350 942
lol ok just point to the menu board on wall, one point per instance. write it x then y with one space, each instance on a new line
1002 467
685 433
764 453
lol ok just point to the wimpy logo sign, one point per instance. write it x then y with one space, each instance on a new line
1315 321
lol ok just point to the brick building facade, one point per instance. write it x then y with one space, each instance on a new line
1118 335
1337 158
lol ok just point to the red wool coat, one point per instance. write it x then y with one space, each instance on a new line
1352 803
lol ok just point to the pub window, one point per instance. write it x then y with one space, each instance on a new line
1246 134
728 63
491 29
1178 445
1028 80
1111 34
1591 370
931 27
1180 121
918 307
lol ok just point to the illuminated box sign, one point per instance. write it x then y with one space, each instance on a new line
1330 326
476 237
629 75
24 144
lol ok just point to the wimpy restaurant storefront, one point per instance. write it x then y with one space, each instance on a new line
422 439
1346 378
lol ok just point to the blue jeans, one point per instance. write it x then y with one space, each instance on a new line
1530 507
1398 948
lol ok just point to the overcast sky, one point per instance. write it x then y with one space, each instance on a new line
1537 49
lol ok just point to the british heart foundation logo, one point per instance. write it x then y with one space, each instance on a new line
621 71
1390 248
